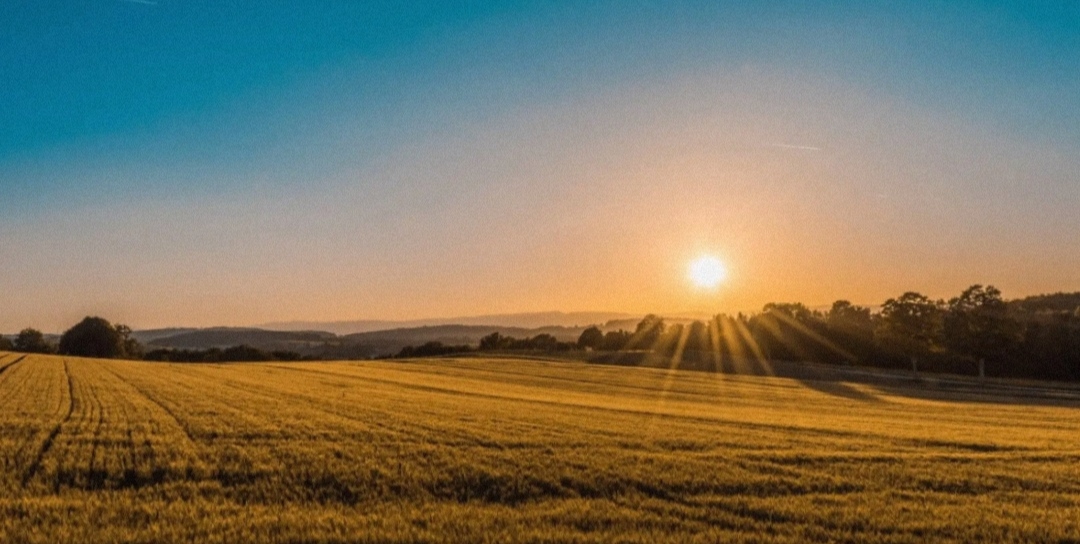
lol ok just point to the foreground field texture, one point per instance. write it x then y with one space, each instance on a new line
475 450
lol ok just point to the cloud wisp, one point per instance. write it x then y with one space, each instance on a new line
799 147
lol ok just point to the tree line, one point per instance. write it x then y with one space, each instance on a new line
234 354
976 332
91 337
98 338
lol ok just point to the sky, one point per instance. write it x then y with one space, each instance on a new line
186 163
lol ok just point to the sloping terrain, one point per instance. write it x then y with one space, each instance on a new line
221 337
328 345
531 320
497 450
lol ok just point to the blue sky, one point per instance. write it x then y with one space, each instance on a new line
191 148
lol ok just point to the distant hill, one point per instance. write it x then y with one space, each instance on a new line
391 341
464 333
365 339
376 338
523 320
149 335
329 345
220 337
1056 303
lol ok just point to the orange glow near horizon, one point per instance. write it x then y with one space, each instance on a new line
558 207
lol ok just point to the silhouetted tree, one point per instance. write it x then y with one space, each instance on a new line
790 331
244 353
647 333
493 341
977 325
540 342
615 340
852 319
283 355
32 341
96 337
1050 348
911 324
217 355
851 327
5 344
132 348
670 341
794 310
732 337
544 342
591 337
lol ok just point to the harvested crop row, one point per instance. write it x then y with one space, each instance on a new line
475 450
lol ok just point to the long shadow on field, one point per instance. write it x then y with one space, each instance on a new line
839 380
989 393
840 389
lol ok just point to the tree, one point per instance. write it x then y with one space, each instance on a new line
851 328
96 337
668 343
848 318
545 342
912 323
795 310
732 336
591 337
32 341
5 344
977 325
433 348
493 341
647 333
132 348
698 338
615 340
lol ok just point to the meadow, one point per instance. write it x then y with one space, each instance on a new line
503 449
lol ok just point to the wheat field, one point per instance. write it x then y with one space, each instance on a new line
499 450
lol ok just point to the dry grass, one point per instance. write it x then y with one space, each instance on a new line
500 450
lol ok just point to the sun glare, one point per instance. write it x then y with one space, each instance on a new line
707 272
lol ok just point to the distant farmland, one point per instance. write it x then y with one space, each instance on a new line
496 450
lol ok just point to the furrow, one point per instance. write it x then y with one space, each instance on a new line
35 465
157 402
11 364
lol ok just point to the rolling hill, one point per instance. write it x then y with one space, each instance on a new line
513 450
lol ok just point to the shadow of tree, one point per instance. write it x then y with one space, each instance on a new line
840 389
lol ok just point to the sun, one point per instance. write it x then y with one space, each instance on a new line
707 272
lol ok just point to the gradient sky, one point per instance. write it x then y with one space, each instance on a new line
176 162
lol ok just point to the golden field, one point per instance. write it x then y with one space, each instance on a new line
498 450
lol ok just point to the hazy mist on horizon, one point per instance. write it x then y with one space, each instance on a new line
186 163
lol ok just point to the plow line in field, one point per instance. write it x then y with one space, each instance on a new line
35 465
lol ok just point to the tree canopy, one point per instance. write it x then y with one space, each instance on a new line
32 341
96 337
912 322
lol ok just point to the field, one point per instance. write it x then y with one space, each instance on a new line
497 450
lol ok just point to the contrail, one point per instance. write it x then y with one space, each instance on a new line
802 147
144 2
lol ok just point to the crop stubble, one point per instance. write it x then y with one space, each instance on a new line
506 449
